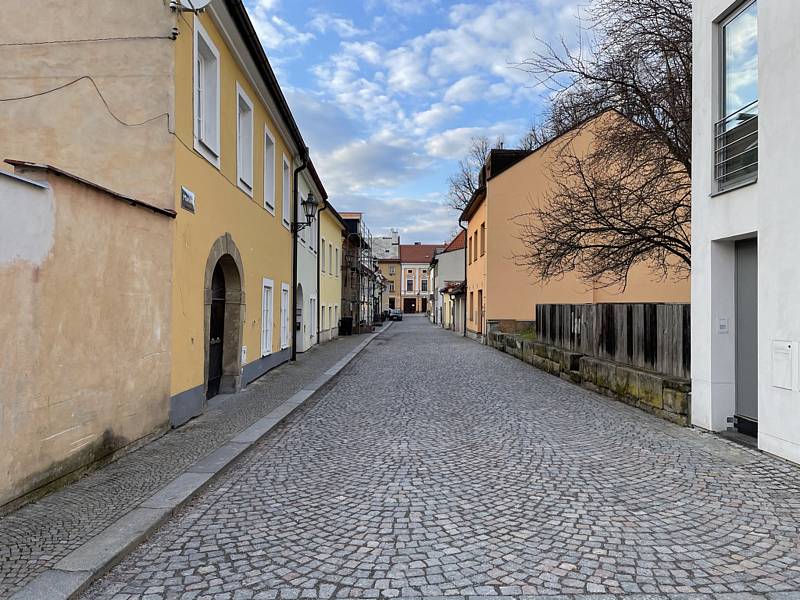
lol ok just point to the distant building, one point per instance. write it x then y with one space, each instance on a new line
415 262
386 247
446 273
331 233
504 295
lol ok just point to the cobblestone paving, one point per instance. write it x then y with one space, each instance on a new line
35 537
436 466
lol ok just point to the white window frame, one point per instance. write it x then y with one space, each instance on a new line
336 273
322 256
286 192
312 316
322 317
244 178
269 172
285 309
267 315
208 148
330 258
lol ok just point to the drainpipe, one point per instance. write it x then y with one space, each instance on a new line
319 295
465 276
295 235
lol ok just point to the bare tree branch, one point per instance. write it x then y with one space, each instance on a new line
627 200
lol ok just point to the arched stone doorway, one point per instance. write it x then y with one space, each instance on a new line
298 321
224 312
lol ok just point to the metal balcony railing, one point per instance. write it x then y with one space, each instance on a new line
736 148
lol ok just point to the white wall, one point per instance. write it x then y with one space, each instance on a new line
769 209
450 267
307 267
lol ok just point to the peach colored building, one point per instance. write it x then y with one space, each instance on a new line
415 263
500 293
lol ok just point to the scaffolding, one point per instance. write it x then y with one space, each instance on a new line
362 282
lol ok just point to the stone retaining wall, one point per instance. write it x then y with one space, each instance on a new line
667 397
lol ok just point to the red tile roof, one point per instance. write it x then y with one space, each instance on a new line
418 253
457 243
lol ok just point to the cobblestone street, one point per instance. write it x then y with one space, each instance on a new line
436 466
35 537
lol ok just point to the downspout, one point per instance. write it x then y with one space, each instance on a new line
465 277
319 294
295 234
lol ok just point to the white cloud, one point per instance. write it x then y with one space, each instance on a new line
273 31
345 28
453 143
466 89
435 115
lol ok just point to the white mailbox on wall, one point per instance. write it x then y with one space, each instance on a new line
782 364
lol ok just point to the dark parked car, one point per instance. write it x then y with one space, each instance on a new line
395 314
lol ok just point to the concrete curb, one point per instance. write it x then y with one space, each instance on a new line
74 573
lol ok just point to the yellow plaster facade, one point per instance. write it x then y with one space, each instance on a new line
261 237
330 274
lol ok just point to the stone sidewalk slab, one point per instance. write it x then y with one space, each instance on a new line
74 572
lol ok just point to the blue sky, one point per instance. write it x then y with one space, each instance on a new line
388 93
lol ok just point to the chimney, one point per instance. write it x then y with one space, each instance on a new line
417 243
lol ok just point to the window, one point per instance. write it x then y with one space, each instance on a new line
335 316
322 256
312 309
206 95
285 315
409 284
336 272
472 306
424 285
736 134
266 317
475 246
391 269
483 239
330 258
286 193
391 286
269 171
244 141
330 315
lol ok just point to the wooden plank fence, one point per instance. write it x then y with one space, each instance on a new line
655 337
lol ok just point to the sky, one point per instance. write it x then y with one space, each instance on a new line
389 93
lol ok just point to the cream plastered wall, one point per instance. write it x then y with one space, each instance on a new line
477 267
85 328
515 293
419 271
330 284
71 128
222 207
385 268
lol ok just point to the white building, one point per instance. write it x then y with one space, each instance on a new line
746 221
307 281
447 268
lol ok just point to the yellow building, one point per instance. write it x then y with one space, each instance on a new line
181 111
500 293
331 230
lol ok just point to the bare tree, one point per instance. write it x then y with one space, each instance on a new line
627 200
464 182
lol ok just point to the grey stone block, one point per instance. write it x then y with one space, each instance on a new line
256 431
113 542
178 491
219 459
54 585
